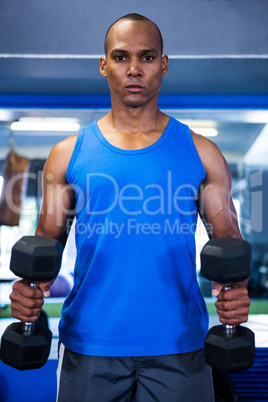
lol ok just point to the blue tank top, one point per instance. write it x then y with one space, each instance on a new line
135 287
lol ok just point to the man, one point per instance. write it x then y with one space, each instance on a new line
133 326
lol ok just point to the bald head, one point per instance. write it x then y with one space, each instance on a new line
132 17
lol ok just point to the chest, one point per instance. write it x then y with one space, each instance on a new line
132 141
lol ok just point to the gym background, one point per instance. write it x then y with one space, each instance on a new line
217 84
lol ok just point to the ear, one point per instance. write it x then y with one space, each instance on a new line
103 67
164 65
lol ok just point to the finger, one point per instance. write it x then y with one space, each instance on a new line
216 289
26 302
22 288
45 287
25 306
34 301
26 309
232 302
233 317
233 294
233 306
233 312
25 315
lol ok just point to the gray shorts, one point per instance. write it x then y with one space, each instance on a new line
169 378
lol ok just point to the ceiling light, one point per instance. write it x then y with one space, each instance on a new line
257 153
203 127
206 131
5 115
45 124
256 116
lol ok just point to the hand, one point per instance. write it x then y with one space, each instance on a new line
232 305
26 301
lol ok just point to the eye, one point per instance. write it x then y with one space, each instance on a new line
120 58
148 58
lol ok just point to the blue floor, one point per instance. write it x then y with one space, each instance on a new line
252 385
30 385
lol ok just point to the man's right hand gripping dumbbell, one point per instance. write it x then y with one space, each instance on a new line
37 260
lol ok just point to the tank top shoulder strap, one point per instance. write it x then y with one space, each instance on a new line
191 146
77 147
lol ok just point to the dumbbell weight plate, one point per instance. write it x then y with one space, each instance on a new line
230 352
25 352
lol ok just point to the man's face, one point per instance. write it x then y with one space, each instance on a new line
134 65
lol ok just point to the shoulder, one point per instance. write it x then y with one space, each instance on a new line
211 156
60 155
205 147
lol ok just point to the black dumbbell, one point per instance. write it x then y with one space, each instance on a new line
227 260
27 345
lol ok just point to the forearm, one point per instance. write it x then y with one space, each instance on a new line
61 237
47 226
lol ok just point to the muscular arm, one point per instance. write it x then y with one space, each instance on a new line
216 205
58 196
57 206
215 195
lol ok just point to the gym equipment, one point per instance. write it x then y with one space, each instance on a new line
227 260
224 391
60 288
15 182
27 345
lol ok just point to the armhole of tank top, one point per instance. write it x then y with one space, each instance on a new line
77 147
195 153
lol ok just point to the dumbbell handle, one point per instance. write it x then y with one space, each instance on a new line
229 329
27 327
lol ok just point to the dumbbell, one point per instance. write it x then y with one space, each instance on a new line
227 260
27 345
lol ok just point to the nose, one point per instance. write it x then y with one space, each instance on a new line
134 69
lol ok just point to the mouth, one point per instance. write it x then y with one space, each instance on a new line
134 88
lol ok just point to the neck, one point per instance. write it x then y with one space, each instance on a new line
134 120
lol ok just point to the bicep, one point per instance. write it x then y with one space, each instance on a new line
215 197
58 200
